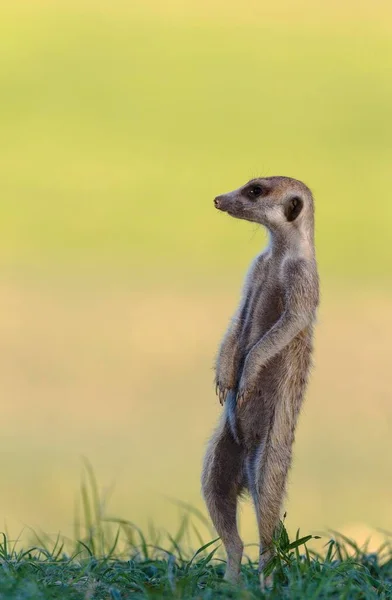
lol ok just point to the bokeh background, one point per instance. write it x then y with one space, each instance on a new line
120 122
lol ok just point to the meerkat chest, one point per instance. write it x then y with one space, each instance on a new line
264 303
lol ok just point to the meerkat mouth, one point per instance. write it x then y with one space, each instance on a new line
225 210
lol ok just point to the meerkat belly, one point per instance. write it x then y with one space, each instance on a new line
284 379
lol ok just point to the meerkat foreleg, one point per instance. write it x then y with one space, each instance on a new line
228 359
226 366
300 306
222 483
276 338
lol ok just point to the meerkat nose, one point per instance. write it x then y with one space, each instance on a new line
217 202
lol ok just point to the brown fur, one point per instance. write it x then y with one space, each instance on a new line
263 364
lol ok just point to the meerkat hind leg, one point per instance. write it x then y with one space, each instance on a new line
269 487
222 484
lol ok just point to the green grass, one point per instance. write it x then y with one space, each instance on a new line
150 572
113 559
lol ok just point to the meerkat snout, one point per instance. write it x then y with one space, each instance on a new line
227 203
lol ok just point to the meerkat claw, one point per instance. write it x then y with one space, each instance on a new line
242 397
221 396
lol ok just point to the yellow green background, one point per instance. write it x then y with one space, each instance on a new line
119 123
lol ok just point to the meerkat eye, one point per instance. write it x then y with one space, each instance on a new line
255 191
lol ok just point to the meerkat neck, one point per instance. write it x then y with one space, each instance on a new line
277 243
298 243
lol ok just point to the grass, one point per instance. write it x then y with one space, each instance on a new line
39 574
113 559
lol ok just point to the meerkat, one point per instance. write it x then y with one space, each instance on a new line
263 364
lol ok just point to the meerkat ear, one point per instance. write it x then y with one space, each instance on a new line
293 207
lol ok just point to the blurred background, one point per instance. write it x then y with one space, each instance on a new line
120 122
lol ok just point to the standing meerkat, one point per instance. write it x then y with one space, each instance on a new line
263 364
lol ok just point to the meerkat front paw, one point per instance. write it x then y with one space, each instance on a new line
221 391
224 383
242 396
245 390
225 379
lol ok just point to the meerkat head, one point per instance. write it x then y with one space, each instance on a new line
278 203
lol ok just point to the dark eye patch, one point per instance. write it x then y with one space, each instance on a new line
293 208
255 191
